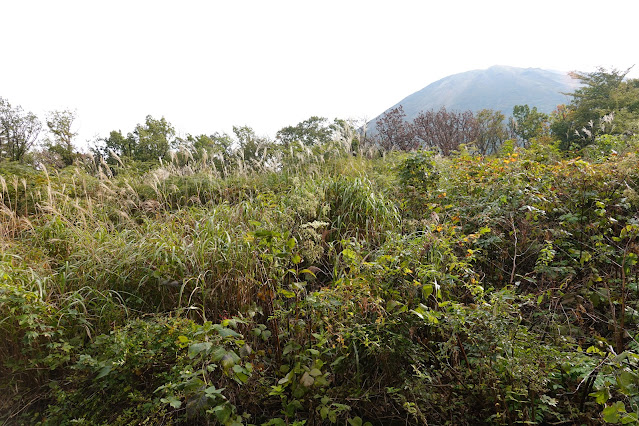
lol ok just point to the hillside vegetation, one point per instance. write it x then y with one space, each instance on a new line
318 284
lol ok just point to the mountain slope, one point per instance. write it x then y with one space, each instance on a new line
498 87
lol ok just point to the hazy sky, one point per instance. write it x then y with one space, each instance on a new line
209 65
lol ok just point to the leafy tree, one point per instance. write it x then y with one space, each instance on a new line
561 120
527 123
445 130
215 149
252 148
594 98
153 139
626 100
19 131
313 131
491 131
148 142
117 144
394 132
601 94
217 144
60 140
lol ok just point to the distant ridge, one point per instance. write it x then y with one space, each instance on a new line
498 88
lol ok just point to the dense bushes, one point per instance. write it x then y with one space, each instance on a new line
405 289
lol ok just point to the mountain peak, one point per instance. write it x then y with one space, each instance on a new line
499 87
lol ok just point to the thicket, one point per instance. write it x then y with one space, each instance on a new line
321 280
326 288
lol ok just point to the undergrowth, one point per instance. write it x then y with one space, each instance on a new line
331 289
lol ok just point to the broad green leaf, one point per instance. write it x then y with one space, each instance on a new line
229 360
601 396
625 380
227 332
324 412
193 384
104 371
241 377
218 354
293 406
427 290
197 348
321 381
172 400
222 412
315 372
284 380
355 421
211 390
286 293
307 380
299 391
611 413
301 285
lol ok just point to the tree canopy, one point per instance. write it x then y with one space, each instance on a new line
61 135
149 141
19 131
312 131
602 93
528 123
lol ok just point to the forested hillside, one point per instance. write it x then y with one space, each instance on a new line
326 278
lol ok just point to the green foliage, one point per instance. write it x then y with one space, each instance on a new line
607 145
216 147
253 150
606 102
528 123
417 172
153 139
61 136
150 141
19 131
312 131
155 369
594 98
359 211
492 131
617 386
117 145
321 288
418 178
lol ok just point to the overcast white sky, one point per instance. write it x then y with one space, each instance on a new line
209 65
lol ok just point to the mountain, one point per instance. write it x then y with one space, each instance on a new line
498 87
